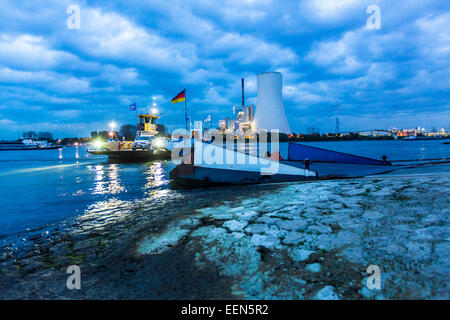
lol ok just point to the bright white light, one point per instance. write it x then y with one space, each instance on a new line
98 144
112 125
154 110
158 143
154 104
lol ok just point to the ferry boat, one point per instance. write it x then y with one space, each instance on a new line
145 147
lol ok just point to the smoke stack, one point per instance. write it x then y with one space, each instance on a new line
243 104
270 110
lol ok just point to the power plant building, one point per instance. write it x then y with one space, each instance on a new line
269 115
270 112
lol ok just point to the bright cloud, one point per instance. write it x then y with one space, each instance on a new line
129 51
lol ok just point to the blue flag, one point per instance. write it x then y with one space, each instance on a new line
133 107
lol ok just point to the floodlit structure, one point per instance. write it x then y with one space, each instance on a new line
270 112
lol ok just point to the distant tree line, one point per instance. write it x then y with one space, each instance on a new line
48 136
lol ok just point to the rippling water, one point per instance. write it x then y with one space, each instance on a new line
44 189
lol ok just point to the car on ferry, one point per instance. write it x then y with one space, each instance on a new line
142 143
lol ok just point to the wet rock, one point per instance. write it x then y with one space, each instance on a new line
209 234
185 222
326 242
373 215
257 228
354 254
235 225
354 192
418 250
161 243
294 238
350 224
431 233
238 235
401 228
368 293
246 215
347 237
327 293
382 193
60 249
434 219
267 241
314 267
33 265
320 229
291 224
442 251
267 220
218 213
299 255
84 245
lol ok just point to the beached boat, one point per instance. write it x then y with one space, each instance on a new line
303 163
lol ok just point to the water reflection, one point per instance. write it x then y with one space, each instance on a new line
107 182
150 189
157 183
102 213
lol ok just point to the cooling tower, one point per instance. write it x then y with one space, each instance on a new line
270 110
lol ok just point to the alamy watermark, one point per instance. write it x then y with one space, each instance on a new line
373 281
74 280
374 20
260 151
74 20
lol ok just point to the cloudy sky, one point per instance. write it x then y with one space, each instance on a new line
73 81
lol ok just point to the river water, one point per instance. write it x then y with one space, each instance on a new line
47 189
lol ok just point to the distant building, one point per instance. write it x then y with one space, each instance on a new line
30 135
45 136
375 133
270 112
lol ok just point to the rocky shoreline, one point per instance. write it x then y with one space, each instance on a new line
294 241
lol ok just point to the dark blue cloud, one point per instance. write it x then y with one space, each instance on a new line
74 81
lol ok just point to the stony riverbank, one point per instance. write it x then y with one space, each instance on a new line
316 240
295 241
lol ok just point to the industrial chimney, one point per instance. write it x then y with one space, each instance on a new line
243 102
270 110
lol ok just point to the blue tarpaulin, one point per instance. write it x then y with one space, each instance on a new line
301 152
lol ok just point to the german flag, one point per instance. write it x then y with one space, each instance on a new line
180 97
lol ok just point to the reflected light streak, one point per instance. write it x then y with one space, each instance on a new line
109 182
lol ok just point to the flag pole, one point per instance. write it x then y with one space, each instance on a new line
185 108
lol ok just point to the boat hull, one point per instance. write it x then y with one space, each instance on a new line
343 170
30 148
188 176
134 155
